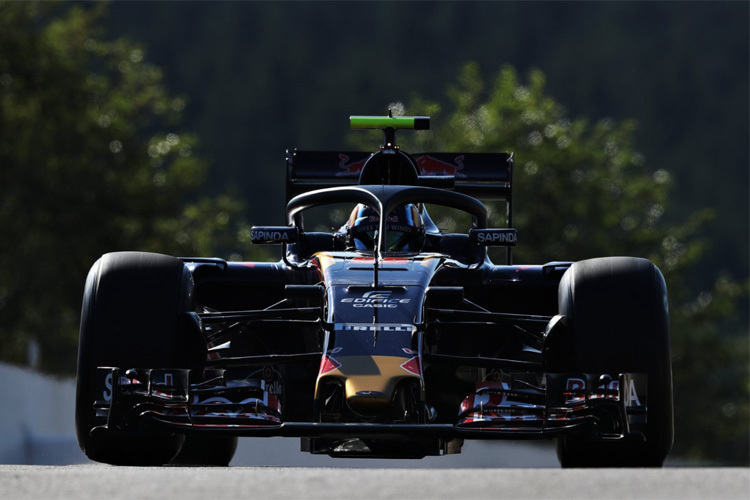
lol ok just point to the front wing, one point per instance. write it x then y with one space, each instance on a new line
613 406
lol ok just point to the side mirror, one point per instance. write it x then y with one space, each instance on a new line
273 235
493 237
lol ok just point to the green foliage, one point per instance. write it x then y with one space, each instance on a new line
711 375
581 190
92 161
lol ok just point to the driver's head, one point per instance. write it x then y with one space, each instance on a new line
404 229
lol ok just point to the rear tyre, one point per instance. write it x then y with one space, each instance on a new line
132 317
617 318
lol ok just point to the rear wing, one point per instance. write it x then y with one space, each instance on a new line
481 175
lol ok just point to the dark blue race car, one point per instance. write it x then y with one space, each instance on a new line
386 336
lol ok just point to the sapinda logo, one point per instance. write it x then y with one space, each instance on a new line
496 237
269 235
375 298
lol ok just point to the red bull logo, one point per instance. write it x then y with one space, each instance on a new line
429 165
350 168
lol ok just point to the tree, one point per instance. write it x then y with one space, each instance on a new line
581 190
93 160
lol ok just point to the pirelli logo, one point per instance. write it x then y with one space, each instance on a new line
375 327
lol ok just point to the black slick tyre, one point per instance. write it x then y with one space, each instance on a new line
617 320
215 451
133 317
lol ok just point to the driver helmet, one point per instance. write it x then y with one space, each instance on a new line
404 229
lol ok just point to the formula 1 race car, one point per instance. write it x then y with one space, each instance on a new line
386 337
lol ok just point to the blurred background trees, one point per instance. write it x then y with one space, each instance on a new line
93 160
162 127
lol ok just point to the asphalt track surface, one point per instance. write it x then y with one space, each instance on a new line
113 483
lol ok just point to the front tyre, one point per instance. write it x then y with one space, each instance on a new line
215 451
133 317
617 316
